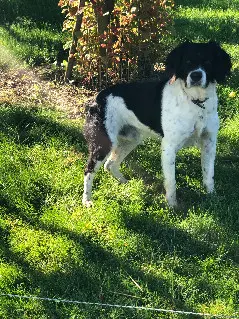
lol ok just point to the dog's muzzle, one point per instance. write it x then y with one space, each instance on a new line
196 78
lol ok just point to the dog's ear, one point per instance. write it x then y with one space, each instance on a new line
221 62
173 60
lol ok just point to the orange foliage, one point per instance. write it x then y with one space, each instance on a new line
136 29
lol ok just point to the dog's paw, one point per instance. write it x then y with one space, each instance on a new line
172 201
209 187
123 180
87 203
173 204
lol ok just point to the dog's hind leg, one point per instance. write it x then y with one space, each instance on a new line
90 171
126 144
99 148
116 157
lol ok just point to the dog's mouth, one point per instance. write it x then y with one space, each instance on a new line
195 83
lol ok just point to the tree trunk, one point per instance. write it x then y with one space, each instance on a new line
103 14
75 36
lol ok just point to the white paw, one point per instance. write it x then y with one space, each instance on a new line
173 204
209 187
123 180
87 203
172 201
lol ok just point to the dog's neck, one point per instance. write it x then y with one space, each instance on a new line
195 92
197 95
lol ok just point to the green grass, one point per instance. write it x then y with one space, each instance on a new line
202 24
40 11
130 248
210 4
32 29
52 247
35 43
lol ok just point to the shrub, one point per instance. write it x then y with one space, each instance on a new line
118 39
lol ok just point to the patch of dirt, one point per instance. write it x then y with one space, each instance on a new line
30 86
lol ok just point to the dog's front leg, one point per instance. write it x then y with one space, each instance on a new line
208 154
168 166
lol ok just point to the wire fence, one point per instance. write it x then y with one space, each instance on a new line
108 305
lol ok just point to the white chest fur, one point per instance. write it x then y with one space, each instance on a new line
184 122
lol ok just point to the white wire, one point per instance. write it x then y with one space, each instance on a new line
235 316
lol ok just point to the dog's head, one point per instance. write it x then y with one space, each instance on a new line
198 64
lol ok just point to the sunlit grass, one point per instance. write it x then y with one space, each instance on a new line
129 248
34 43
129 243
201 24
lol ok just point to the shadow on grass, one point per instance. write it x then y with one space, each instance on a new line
145 163
28 204
234 80
29 127
111 279
37 43
213 4
221 30
101 277
166 238
41 10
223 205
75 283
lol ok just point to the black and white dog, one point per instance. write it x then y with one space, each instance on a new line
181 109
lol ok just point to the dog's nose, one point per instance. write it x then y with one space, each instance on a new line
196 76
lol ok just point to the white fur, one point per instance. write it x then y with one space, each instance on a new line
88 182
117 115
183 123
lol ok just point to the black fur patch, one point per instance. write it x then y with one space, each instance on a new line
129 132
189 56
96 136
143 98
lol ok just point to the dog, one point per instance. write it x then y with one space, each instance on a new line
181 110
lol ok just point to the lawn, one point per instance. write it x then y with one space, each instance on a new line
32 29
130 248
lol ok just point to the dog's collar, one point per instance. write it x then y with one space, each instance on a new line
200 103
